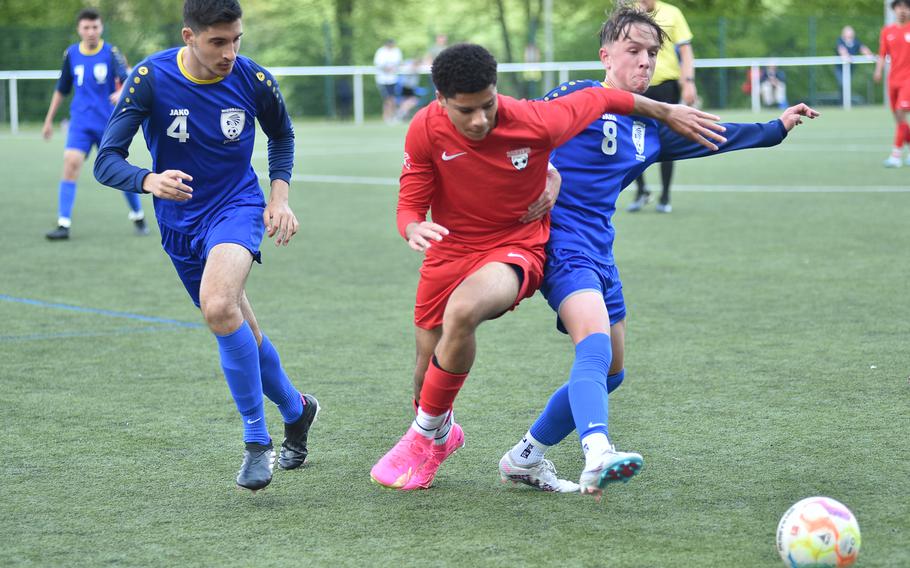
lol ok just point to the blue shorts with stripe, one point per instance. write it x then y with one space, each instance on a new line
242 225
568 272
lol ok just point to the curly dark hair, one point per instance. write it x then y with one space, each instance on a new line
624 17
463 68
199 15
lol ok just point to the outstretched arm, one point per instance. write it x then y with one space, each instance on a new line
739 136
699 127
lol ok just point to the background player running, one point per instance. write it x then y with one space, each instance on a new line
196 105
581 282
477 160
894 42
94 71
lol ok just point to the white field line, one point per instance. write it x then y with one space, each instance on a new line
725 188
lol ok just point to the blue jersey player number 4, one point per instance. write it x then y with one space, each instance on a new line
197 106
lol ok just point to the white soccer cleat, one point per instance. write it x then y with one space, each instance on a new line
892 162
541 475
611 467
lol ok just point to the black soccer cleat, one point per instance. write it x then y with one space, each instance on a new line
293 450
256 470
61 233
141 228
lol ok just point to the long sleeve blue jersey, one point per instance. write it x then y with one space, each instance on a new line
597 164
204 128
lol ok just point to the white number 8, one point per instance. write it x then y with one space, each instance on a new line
608 145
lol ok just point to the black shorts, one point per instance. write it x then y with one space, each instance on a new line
666 92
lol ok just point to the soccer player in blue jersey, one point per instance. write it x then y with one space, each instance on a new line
581 282
94 71
196 105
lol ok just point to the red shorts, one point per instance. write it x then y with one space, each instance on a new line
439 277
899 95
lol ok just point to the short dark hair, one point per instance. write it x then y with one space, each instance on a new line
624 17
201 14
88 14
463 68
896 2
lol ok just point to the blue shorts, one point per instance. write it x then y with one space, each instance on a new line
83 136
568 272
240 225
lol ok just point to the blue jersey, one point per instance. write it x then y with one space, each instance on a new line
606 156
204 128
92 76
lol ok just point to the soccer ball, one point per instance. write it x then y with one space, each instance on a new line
818 531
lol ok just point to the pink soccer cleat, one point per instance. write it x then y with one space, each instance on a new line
425 475
400 464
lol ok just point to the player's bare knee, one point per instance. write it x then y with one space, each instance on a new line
460 318
220 313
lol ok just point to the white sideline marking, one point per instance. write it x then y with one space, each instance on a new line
360 180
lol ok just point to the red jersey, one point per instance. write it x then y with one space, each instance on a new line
895 42
479 190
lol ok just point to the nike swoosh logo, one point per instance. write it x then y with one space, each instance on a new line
447 157
248 421
592 424
516 255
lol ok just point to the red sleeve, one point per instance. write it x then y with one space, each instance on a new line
565 117
882 45
418 178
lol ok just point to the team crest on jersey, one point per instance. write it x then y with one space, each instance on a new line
519 157
407 161
100 72
232 121
638 139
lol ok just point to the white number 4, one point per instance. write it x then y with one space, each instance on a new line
178 129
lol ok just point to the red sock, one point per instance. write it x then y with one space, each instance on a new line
899 135
440 389
903 130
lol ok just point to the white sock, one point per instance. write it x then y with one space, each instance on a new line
427 424
594 446
527 451
442 433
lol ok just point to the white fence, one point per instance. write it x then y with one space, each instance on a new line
561 69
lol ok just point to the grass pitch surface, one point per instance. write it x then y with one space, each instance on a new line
766 362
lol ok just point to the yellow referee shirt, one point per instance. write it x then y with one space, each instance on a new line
671 20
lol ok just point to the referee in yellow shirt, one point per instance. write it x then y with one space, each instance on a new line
674 76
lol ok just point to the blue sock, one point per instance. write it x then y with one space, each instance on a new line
67 197
555 422
276 385
613 381
132 200
588 384
240 362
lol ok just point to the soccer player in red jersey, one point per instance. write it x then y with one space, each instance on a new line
895 43
478 160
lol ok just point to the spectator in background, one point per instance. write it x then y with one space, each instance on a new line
674 76
440 43
387 61
773 87
847 46
408 90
